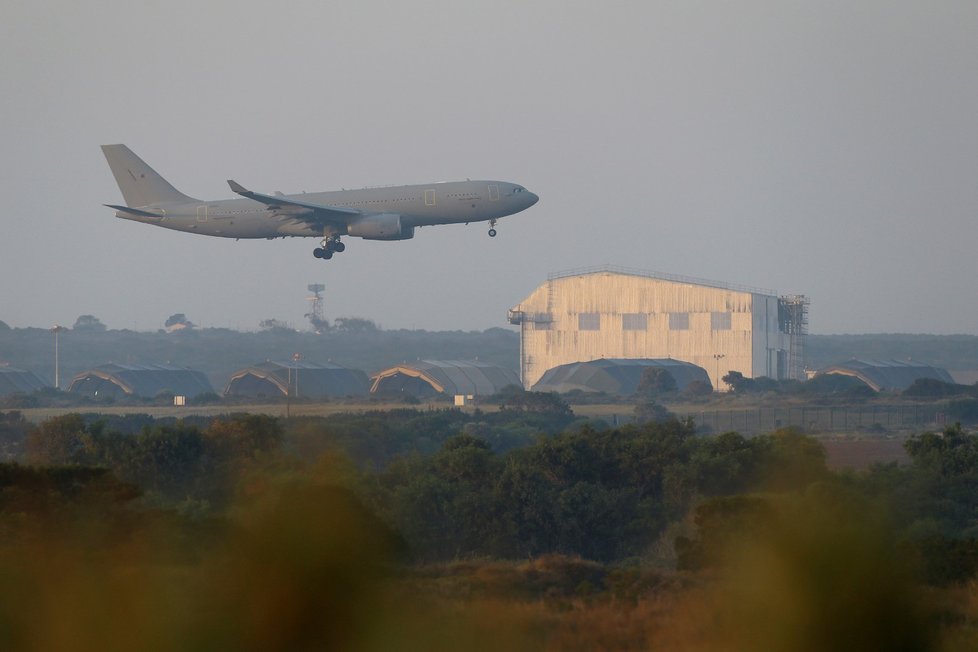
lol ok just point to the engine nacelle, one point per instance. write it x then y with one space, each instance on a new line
386 226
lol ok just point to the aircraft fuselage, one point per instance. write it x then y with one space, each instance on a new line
384 213
417 205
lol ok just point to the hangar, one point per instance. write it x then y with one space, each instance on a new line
887 375
450 377
619 313
298 379
619 377
145 380
19 381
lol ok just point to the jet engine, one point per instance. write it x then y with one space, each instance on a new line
386 226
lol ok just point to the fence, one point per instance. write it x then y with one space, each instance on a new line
820 418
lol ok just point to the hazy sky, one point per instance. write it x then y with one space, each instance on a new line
826 148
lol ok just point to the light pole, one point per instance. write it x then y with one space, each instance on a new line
57 357
296 357
717 357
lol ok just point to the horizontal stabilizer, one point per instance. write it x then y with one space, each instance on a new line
134 211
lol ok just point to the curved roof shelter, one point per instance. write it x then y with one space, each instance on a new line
452 377
306 380
887 375
615 376
19 381
140 380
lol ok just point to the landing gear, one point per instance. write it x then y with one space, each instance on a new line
331 244
492 231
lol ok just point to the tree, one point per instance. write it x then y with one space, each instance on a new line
697 389
507 395
355 325
538 402
963 409
58 441
274 325
177 321
932 388
88 323
320 326
722 523
740 384
655 382
737 382
793 460
647 411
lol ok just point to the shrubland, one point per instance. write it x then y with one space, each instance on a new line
436 529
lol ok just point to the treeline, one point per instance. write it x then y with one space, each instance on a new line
520 483
946 351
251 532
218 352
600 494
924 514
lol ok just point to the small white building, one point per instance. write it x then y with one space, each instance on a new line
610 312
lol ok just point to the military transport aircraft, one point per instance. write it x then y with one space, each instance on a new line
388 213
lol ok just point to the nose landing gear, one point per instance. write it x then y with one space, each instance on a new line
492 231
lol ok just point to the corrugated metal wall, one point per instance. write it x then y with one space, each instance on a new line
601 315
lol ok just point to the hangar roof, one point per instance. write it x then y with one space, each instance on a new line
615 376
19 381
892 375
453 377
141 380
658 276
305 378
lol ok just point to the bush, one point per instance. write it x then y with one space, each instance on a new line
933 388
963 409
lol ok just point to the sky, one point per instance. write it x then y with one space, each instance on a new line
821 148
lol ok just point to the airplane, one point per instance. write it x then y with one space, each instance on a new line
384 213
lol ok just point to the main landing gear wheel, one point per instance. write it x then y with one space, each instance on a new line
329 246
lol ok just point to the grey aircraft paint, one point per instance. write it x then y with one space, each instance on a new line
389 213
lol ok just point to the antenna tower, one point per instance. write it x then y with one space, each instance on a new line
315 314
793 315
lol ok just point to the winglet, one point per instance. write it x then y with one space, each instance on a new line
237 187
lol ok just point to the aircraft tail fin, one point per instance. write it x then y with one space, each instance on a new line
140 184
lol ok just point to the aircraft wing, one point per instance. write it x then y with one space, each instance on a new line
305 211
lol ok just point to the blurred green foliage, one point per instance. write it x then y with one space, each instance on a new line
387 530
